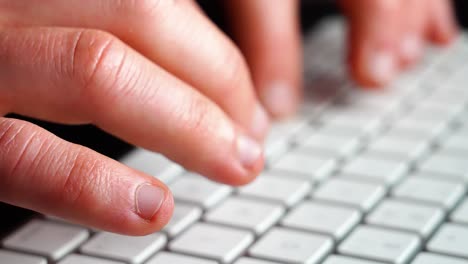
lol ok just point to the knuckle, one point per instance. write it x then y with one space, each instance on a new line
235 72
384 6
97 63
9 131
14 138
83 177
21 149
195 116
143 8
71 175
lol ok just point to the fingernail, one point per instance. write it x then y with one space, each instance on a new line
279 99
249 151
382 67
149 199
411 47
261 122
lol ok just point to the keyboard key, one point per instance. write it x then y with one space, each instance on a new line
389 99
450 239
281 189
219 243
399 148
199 191
362 195
349 132
368 124
434 112
285 129
256 216
445 165
452 97
152 164
430 258
124 248
184 215
432 190
335 259
171 258
306 166
456 143
80 259
375 169
419 218
327 219
8 257
303 134
460 215
290 246
280 137
253 261
410 129
331 145
48 239
380 245
354 104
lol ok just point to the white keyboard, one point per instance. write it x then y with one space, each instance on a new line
357 177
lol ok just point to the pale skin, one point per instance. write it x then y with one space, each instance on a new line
160 75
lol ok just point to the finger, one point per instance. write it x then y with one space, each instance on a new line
268 34
373 40
413 27
81 76
173 34
41 172
442 25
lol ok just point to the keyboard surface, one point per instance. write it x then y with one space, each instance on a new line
357 176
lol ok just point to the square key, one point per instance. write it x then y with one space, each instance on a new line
332 220
336 259
431 258
460 214
434 190
450 239
362 195
130 249
46 238
7 257
375 169
254 215
379 244
290 246
171 258
223 244
420 218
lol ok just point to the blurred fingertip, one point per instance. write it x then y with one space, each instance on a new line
374 68
247 162
249 152
261 123
279 99
411 48
444 37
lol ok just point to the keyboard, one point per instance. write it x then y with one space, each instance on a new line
358 176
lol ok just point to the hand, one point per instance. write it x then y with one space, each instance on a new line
386 36
155 73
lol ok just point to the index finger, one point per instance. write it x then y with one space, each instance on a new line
174 35
83 76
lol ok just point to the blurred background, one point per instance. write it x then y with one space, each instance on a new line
311 12
314 10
